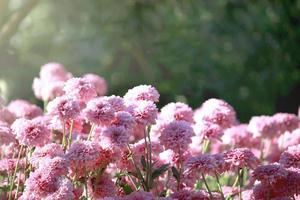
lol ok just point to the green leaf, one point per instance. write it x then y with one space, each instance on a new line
127 189
176 173
159 171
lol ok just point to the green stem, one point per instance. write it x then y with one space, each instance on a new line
64 134
207 187
14 174
240 175
219 186
205 145
91 131
70 134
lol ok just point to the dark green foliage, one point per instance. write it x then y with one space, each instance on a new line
246 52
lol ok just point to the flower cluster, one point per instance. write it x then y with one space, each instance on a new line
84 145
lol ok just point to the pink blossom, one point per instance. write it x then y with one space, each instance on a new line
241 157
177 111
177 136
64 191
286 122
7 116
48 151
208 130
6 135
139 195
142 92
46 90
99 111
8 165
64 107
144 112
23 109
54 72
98 82
114 136
124 119
80 88
100 187
291 157
202 164
270 174
289 138
216 111
31 132
239 136
116 102
263 126
56 166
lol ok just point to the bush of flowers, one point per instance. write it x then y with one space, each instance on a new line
84 145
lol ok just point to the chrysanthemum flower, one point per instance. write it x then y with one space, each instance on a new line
263 127
202 164
98 82
6 135
142 92
114 136
98 111
270 174
46 152
64 107
80 88
241 157
208 130
139 195
216 111
100 187
286 122
54 72
144 112
116 102
177 111
7 116
30 132
23 109
124 119
177 136
291 157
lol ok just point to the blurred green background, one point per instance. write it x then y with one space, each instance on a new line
246 52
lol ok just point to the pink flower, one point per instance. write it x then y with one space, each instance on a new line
142 92
286 122
99 111
124 119
144 112
177 136
87 156
216 111
100 187
98 82
270 174
48 151
238 136
289 139
191 195
7 116
23 109
177 111
202 164
139 195
114 136
240 158
80 88
64 191
56 166
6 135
31 132
8 166
207 130
116 102
263 126
291 157
64 107
54 72
46 90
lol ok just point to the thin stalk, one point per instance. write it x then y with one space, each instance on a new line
14 174
150 159
70 133
219 186
240 175
85 185
205 146
91 131
64 134
206 185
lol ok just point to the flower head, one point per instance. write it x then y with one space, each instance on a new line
98 82
240 158
80 88
291 157
177 136
31 132
23 109
177 111
64 107
142 92
144 112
